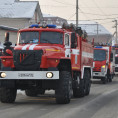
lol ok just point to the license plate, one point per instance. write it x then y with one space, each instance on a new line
25 75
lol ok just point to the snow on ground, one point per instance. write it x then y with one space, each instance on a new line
47 92
20 92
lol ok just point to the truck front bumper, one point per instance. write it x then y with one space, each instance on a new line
98 75
26 75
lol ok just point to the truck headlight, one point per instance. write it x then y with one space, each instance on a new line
49 74
3 75
103 66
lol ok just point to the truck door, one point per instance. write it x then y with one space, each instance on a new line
112 61
74 52
67 45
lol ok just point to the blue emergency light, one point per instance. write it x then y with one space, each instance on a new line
41 25
98 46
51 26
34 25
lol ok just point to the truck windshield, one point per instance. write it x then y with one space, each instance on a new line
116 60
51 37
29 37
99 55
116 51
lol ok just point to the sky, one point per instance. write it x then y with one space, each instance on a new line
101 11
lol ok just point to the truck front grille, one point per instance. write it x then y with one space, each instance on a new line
27 59
97 69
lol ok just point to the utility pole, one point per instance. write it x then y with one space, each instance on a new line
116 32
97 31
77 7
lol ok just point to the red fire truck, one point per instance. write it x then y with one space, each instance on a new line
104 63
47 58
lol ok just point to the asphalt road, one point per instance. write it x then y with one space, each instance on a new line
101 103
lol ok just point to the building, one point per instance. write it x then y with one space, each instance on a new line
18 14
50 19
12 31
95 31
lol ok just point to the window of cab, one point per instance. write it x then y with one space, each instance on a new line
51 37
28 37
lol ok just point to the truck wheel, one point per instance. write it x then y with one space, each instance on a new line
63 93
79 91
31 93
110 77
87 82
7 95
76 86
104 80
83 87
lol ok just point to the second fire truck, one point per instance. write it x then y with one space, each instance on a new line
104 63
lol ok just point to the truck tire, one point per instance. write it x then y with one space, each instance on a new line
63 93
87 82
83 87
80 90
7 95
104 79
31 93
110 77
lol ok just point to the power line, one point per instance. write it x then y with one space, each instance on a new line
63 3
97 14
98 7
105 22
99 19
71 16
55 6
83 12
84 20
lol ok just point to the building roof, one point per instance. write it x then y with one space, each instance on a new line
48 15
6 1
17 9
8 28
91 27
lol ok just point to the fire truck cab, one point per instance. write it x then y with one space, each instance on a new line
104 65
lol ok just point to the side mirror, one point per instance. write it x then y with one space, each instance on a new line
111 57
7 37
73 40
